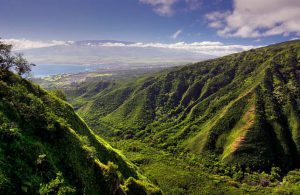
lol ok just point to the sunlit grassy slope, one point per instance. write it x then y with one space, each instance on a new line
45 147
244 108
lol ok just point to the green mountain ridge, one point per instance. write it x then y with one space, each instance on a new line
46 148
243 107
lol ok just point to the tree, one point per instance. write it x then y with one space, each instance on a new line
10 61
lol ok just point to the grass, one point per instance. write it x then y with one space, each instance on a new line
238 133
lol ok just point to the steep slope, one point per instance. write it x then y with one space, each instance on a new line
243 107
46 148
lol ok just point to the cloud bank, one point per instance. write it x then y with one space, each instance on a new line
205 47
20 44
257 18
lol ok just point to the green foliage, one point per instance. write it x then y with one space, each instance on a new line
59 93
111 177
133 186
230 123
45 147
290 184
242 107
194 174
275 173
293 177
56 186
9 61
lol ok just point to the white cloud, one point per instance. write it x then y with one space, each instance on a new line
215 24
217 15
257 18
20 44
109 44
176 34
216 19
166 7
194 4
161 7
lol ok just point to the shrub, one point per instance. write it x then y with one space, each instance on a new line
56 186
138 187
238 176
275 173
293 177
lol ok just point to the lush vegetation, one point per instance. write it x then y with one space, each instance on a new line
46 148
197 174
243 107
223 126
234 121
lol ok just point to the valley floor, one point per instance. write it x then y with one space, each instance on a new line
176 174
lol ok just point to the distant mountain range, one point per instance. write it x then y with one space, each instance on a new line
113 52
97 42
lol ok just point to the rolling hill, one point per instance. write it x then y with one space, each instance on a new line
46 148
244 108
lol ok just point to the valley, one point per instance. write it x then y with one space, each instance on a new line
198 108
207 125
150 97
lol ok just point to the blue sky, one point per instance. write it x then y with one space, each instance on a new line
243 22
